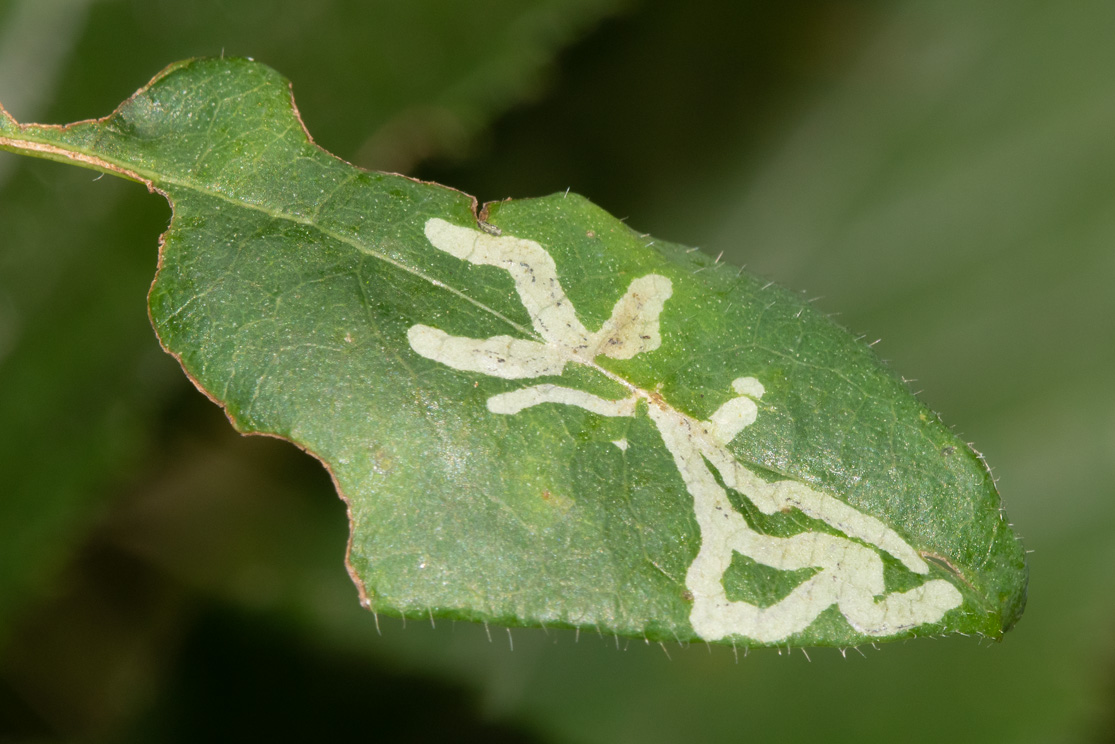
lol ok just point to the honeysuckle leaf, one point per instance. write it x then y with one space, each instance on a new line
536 415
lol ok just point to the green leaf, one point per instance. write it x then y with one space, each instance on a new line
536 415
91 382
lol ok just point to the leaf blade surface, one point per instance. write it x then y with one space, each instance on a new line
673 392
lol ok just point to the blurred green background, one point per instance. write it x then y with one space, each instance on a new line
939 175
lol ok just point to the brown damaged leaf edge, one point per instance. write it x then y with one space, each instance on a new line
48 151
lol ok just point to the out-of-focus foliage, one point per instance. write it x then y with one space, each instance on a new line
944 176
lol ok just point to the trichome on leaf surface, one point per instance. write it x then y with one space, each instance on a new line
536 415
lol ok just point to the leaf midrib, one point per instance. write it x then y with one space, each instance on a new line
154 180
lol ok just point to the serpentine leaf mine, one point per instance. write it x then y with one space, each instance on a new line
850 573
